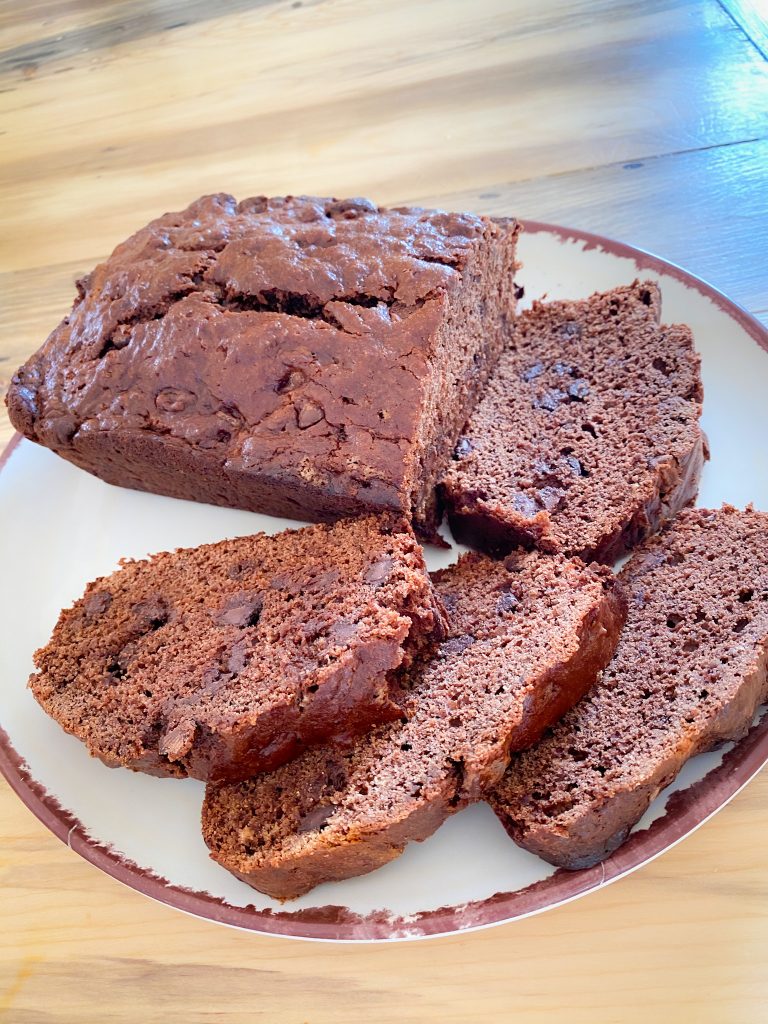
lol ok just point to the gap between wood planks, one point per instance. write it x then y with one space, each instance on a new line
751 17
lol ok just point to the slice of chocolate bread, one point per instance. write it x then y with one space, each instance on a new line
526 639
226 659
304 357
587 437
688 674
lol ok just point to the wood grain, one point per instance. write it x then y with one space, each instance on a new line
332 97
646 122
683 939
712 234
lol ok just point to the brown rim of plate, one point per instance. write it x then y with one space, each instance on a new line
684 812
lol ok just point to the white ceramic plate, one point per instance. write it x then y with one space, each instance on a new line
62 528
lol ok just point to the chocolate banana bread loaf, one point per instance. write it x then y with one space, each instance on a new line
587 438
526 638
689 673
303 357
226 659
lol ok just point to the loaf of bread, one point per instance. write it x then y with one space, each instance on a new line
364 369
303 357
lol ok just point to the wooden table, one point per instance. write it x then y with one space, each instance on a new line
647 122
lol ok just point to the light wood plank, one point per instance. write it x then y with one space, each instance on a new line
680 940
33 36
706 210
333 97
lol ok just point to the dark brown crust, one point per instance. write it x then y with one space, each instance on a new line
586 833
302 357
361 848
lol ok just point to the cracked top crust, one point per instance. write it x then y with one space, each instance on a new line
290 334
